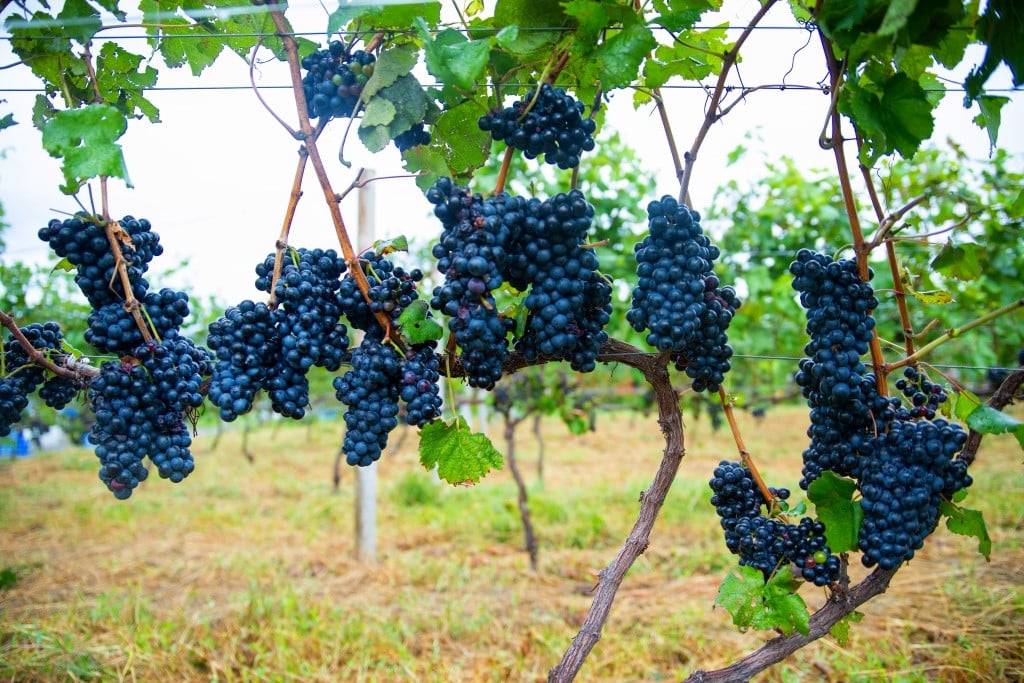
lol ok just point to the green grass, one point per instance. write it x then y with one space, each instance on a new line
246 572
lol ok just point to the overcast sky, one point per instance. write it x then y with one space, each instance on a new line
214 176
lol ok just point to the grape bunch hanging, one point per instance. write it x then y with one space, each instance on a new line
548 123
334 80
678 299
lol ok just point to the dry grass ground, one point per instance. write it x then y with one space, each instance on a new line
245 572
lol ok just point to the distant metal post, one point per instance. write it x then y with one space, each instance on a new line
366 477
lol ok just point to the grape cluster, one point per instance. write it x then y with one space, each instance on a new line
910 470
901 457
176 366
20 377
112 329
142 401
307 291
334 80
549 122
414 137
380 376
925 396
569 302
83 241
259 347
419 385
841 394
370 389
133 421
392 289
246 345
677 299
764 542
471 255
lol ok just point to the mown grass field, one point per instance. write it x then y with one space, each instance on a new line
245 572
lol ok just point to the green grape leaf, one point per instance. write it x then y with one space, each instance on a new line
179 41
833 500
965 403
381 15
467 146
691 58
533 15
389 67
841 629
990 116
621 55
79 20
416 326
7 121
680 20
455 60
65 265
40 43
967 522
86 139
340 18
988 420
933 296
592 18
42 111
394 110
754 603
575 420
378 112
896 16
427 163
390 246
375 138
897 121
960 261
123 82
984 419
1016 208
458 148
461 457
1001 28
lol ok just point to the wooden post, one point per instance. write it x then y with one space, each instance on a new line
366 477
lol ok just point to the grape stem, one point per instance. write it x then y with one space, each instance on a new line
506 163
309 136
748 461
289 215
115 237
655 371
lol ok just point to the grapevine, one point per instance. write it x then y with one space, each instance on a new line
517 279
